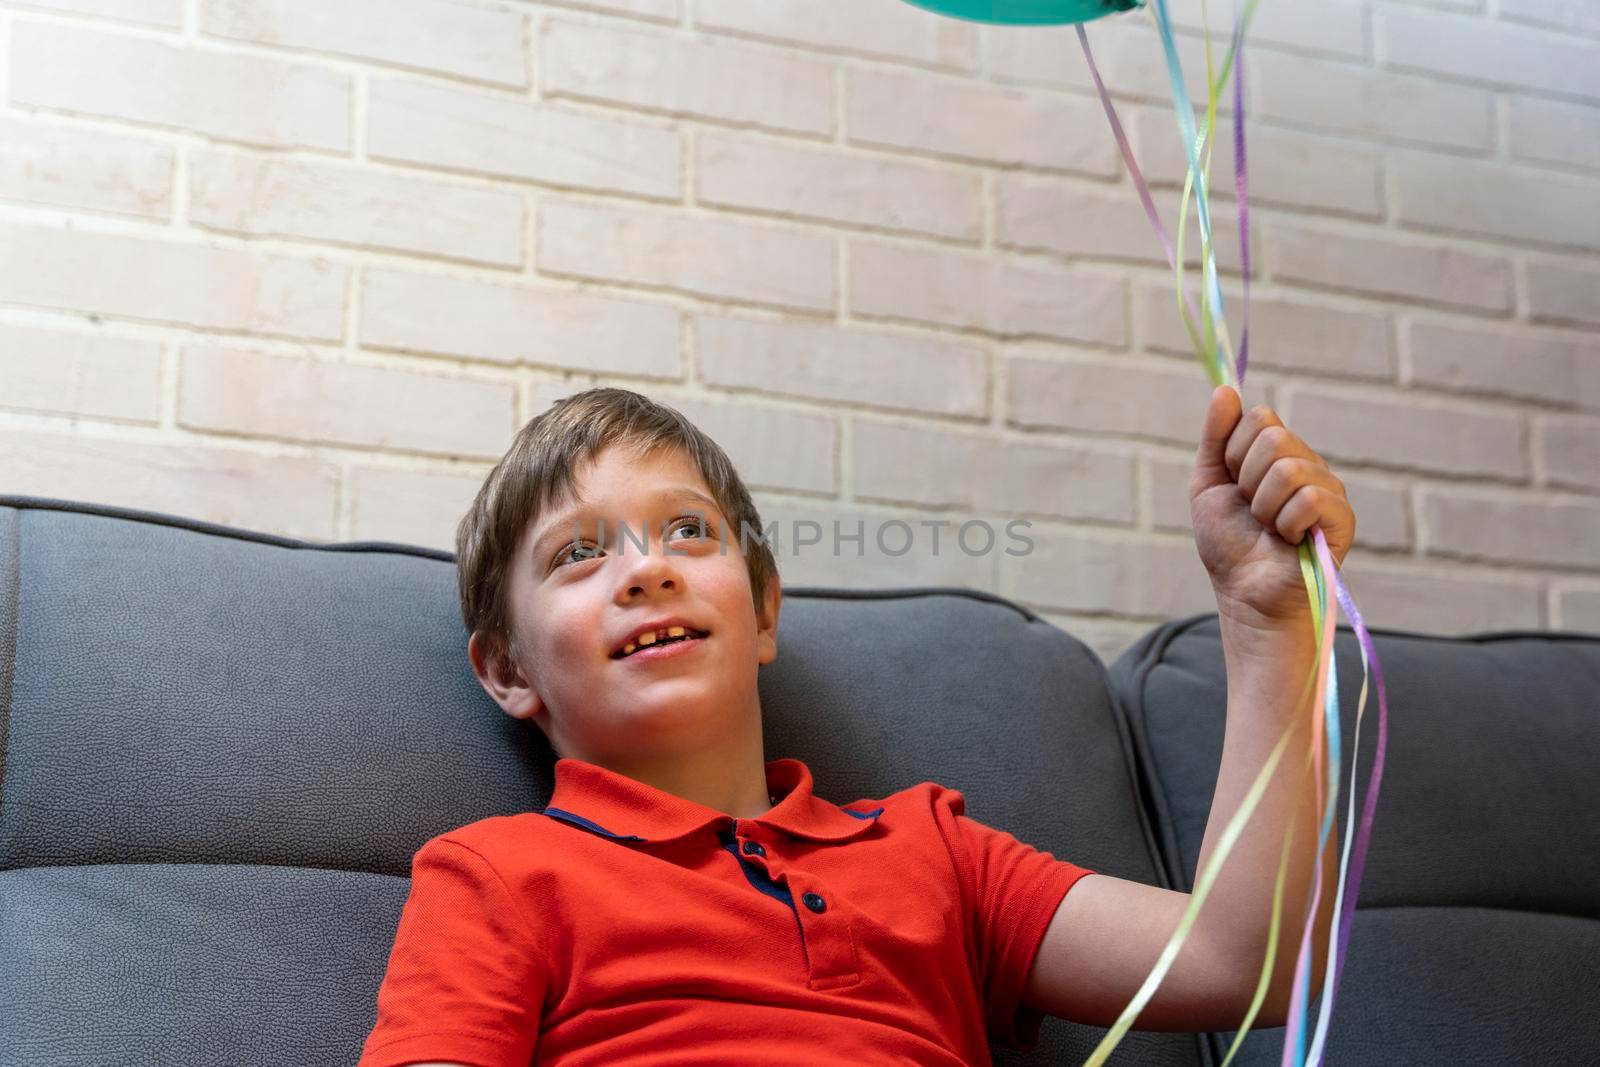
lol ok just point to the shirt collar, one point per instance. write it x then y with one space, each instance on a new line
620 807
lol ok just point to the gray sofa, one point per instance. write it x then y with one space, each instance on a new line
219 750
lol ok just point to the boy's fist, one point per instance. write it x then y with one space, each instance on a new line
1256 491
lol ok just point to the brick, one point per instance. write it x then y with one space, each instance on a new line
151 12
1381 515
1327 26
462 40
1440 602
945 117
882 28
1115 397
1518 363
660 71
1563 292
167 281
1129 574
934 468
1474 7
1404 432
1510 528
91 375
1380 505
982 293
1439 193
1166 491
410 506
1285 333
1128 55
1036 214
844 366
1496 53
277 493
342 204
224 95
1578 609
1569 449
895 549
235 391
857 190
712 258
1580 15
655 10
70 167
1406 270
1553 131
1285 168
1318 94
476 133
1108 639
512 324
773 448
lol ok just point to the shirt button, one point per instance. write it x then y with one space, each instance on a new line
755 848
815 903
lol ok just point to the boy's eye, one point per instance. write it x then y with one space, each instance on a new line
693 523
577 552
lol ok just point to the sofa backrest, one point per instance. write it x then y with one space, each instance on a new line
220 749
1477 932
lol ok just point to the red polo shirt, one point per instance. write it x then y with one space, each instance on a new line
624 925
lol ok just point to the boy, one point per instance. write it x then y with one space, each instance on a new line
682 900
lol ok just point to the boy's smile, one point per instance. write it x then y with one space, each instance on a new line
652 641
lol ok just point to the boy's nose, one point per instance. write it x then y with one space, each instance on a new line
664 583
650 572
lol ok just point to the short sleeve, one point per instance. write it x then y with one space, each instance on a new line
465 981
1017 889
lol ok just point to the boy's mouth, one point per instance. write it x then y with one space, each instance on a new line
662 635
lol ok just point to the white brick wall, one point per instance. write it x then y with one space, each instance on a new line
305 266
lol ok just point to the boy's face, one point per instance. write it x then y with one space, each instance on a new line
575 602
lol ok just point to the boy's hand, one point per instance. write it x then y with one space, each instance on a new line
1256 491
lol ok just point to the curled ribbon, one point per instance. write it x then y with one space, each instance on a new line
1325 588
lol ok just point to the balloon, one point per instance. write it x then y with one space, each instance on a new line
1027 12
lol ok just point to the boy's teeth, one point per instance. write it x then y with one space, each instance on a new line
651 637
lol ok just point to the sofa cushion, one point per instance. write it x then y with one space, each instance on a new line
220 750
1477 932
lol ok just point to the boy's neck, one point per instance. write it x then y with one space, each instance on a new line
730 777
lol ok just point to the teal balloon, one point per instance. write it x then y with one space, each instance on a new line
1027 12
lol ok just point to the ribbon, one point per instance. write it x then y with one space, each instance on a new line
1325 587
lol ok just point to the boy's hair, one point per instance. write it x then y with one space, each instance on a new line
540 467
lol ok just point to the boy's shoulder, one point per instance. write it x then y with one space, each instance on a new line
495 837
923 795
924 802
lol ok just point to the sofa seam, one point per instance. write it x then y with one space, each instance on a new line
1130 758
1156 786
1204 1050
1149 784
10 623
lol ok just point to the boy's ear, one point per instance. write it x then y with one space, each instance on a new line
503 679
767 623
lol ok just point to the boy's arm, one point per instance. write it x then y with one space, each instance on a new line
1256 490
1108 932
